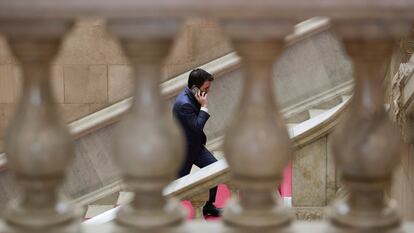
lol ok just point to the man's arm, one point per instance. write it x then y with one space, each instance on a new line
191 119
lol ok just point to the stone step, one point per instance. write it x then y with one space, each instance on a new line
345 97
314 112
287 201
124 197
328 104
94 210
218 154
108 200
298 118
291 125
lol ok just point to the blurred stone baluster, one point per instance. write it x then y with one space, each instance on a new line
257 145
198 201
367 146
38 145
149 146
233 189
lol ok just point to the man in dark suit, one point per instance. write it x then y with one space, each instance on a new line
190 108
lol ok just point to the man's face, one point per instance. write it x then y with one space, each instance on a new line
206 86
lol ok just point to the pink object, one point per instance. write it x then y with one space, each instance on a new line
285 188
223 193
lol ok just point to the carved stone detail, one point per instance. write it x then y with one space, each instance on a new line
309 214
402 116
406 71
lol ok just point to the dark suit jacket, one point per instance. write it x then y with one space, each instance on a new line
187 110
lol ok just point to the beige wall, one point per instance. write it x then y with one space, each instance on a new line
91 71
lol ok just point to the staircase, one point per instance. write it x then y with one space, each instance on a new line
366 147
328 111
93 171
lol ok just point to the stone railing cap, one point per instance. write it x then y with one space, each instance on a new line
294 9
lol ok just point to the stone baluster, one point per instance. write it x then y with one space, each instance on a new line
233 189
198 201
149 145
257 146
38 145
367 147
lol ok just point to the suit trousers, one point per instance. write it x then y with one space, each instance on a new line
203 159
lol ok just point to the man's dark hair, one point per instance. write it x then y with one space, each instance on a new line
198 76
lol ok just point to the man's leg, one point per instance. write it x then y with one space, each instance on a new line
188 163
185 170
205 159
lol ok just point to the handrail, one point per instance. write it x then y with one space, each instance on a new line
240 9
169 88
307 29
218 172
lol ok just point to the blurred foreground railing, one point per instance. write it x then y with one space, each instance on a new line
149 145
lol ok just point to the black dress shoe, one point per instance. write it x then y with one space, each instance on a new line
212 211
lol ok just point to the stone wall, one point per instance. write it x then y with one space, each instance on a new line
91 71
314 177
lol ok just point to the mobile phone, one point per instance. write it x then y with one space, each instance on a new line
195 90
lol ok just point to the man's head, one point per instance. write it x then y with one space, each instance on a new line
201 79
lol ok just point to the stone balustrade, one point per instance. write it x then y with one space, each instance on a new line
149 146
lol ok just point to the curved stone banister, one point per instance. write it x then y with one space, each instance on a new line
303 134
307 29
170 88
214 174
316 127
307 131
207 177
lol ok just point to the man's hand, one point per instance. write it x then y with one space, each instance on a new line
202 98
